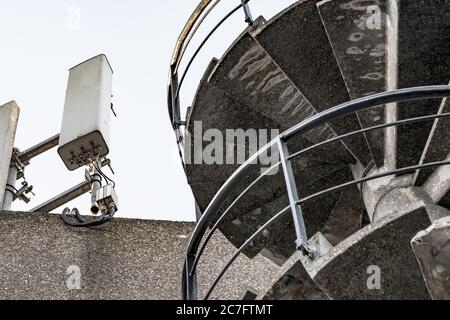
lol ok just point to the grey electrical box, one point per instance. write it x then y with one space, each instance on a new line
87 111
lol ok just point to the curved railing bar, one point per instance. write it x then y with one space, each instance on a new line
368 129
202 44
216 225
196 19
239 251
187 30
192 34
401 95
374 177
274 218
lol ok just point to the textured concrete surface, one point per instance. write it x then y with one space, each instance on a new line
437 186
343 272
247 73
374 190
424 48
214 109
404 200
346 217
432 249
219 111
308 60
124 259
357 33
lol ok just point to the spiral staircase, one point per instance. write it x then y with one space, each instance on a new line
395 217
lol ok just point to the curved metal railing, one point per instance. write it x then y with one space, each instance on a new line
198 241
201 12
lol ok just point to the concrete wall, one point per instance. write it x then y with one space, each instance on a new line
124 259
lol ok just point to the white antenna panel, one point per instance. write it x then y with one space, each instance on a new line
87 111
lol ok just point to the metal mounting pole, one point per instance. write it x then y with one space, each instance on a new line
64 197
9 116
38 149
10 191
291 186
96 184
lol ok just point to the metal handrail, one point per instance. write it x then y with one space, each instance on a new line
193 255
201 12
177 57
184 35
202 44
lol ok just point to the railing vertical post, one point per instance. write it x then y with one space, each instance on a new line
175 99
189 279
247 12
291 186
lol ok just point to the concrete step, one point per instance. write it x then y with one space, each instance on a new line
338 213
350 269
125 259
423 59
384 245
297 42
357 33
247 73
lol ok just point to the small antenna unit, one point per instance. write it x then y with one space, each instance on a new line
87 110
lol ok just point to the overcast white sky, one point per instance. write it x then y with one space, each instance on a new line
39 42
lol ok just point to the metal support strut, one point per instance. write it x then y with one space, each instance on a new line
291 187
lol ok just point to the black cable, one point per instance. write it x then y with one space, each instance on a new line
83 223
12 187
